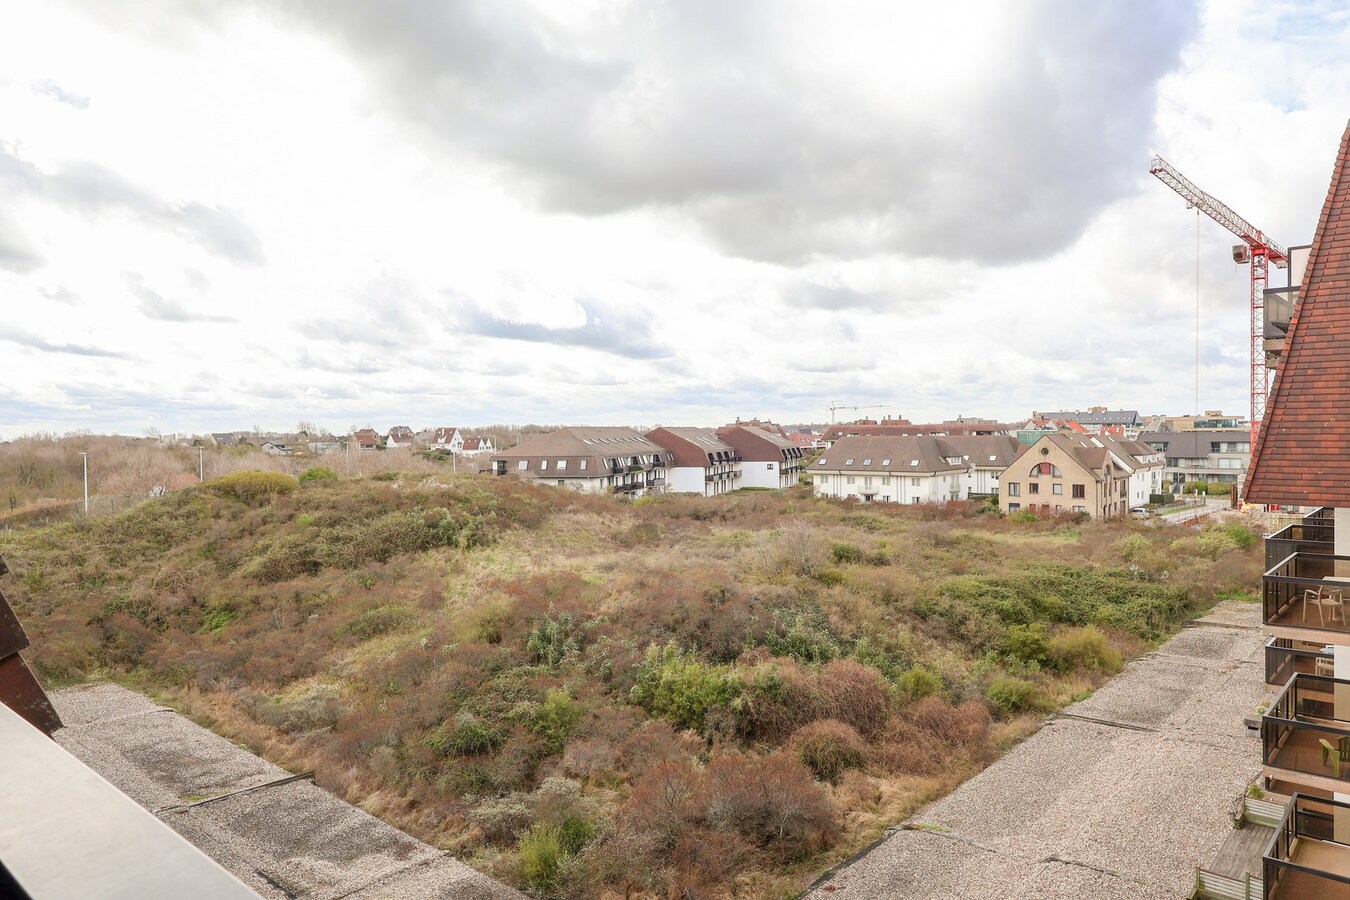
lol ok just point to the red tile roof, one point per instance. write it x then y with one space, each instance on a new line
1302 455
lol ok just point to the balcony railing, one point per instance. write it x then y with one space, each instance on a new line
1313 535
1286 658
1284 597
1304 858
1301 732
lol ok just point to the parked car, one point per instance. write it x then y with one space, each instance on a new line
1140 512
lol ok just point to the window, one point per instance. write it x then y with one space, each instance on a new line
582 466
1059 508
1079 492
867 483
822 462
914 482
1056 488
523 465
1033 488
850 480
562 464
885 462
1014 507
849 461
885 479
543 465
1044 469
1014 489
1080 509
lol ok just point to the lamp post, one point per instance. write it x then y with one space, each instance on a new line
85 458
201 463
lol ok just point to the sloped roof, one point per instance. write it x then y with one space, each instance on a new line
888 453
691 446
1302 455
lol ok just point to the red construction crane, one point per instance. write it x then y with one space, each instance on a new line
1255 248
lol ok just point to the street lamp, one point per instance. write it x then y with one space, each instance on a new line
85 458
201 463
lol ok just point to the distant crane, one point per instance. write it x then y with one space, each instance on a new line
833 406
1256 249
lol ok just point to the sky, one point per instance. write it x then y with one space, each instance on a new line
220 216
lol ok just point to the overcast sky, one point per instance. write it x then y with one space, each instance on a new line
215 216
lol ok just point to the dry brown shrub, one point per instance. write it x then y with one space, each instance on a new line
664 801
828 747
772 800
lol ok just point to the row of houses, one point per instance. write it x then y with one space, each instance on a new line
1097 475
626 461
448 439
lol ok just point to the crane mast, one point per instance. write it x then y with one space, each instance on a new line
1257 249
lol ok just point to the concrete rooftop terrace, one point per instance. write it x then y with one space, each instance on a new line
281 836
1084 808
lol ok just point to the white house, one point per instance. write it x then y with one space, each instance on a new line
400 436
768 458
447 439
476 446
702 462
914 469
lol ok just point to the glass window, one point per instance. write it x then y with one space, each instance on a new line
1079 491
1033 488
1014 489
543 465
1056 488
582 466
1014 507
562 464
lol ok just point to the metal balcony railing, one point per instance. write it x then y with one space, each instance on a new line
1307 856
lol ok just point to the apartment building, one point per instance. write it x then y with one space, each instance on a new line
1302 458
769 458
1219 454
890 469
702 463
596 460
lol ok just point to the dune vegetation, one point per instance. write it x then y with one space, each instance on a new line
588 697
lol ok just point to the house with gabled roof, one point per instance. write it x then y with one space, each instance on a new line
476 446
447 439
401 436
592 459
366 439
769 459
1065 473
702 462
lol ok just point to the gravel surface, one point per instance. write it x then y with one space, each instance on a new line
1083 809
282 840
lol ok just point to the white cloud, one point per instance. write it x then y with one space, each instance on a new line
612 213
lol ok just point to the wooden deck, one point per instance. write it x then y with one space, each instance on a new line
1241 851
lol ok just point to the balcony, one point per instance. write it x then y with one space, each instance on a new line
1308 857
1315 534
1286 609
1286 658
1309 716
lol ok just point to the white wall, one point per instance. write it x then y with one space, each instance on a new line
760 474
687 479
891 487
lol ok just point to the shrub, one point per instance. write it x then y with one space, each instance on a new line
317 473
1219 489
540 852
1013 695
804 634
253 486
465 735
1021 515
501 819
313 707
918 683
773 800
1028 643
828 747
846 553
1240 535
552 639
682 689
574 834
1133 547
1084 648
553 719
378 621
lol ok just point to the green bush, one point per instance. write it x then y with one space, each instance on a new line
846 553
1134 547
918 683
681 688
1013 695
465 735
803 633
216 618
1240 535
1219 488
1021 515
574 834
540 853
253 486
1084 648
552 720
554 638
317 473
1028 643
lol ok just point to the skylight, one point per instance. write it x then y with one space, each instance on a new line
867 462
822 462
885 462
913 462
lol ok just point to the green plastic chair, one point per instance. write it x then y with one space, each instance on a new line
1333 754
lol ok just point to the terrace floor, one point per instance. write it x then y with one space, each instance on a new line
1121 796
1302 886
